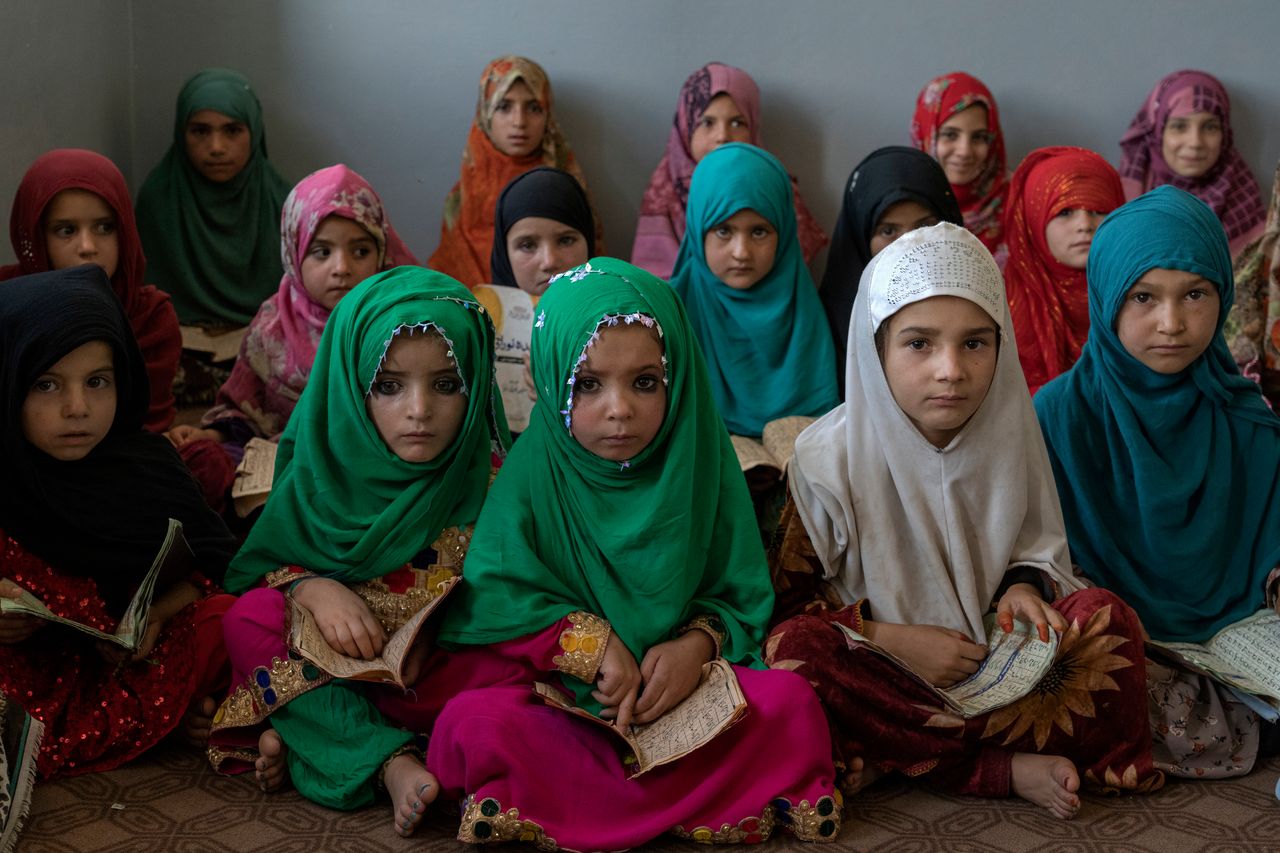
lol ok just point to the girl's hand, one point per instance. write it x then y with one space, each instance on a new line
617 683
671 671
1023 601
162 610
184 434
943 656
15 627
343 618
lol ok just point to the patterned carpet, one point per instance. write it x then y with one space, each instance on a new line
171 801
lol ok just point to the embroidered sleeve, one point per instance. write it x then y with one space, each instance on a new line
711 626
796 571
286 575
582 645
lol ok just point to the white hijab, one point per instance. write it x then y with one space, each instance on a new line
927 534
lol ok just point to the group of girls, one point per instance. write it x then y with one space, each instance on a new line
613 550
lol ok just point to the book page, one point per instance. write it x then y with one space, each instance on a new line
715 705
1014 664
223 347
511 346
780 436
256 471
1243 655
751 454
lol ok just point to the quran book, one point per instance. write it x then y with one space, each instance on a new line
1244 655
221 347
772 452
512 314
254 476
1014 665
305 637
713 707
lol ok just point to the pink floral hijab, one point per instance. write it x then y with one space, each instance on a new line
280 346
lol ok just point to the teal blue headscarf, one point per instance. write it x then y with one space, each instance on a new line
1169 483
768 351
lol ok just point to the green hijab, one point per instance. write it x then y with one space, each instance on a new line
649 543
215 248
343 504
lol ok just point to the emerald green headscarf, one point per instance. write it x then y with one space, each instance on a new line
343 505
648 544
215 248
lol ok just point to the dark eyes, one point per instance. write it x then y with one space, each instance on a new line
447 385
386 387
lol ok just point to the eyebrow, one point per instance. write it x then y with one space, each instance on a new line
921 330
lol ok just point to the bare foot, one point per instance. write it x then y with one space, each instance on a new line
1050 781
197 720
271 770
412 789
857 775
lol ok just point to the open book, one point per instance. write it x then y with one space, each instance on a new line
714 705
1014 664
305 637
254 476
1244 655
173 562
219 347
775 447
512 312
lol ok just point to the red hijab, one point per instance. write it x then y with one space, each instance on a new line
151 316
982 199
1048 300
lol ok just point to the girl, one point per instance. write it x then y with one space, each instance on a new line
513 132
1182 136
894 190
209 211
956 122
1166 462
381 472
1057 199
622 525
83 512
73 208
920 505
718 104
1253 325
334 234
751 302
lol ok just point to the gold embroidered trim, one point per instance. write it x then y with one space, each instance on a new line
583 643
709 626
217 757
285 576
817 822
751 830
484 822
266 690
394 609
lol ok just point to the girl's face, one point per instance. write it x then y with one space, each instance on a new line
740 251
539 248
1069 235
619 397
939 357
416 402
719 123
900 218
80 228
1191 143
963 145
1168 319
71 406
518 122
341 255
218 145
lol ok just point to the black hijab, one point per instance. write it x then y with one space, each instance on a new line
885 177
546 192
103 516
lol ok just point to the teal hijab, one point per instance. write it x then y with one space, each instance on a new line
1169 483
214 247
343 505
768 351
649 543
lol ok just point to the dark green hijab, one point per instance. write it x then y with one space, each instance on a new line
215 248
343 504
648 544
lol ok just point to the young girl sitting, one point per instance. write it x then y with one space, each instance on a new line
919 506
622 526
751 302
73 208
718 104
513 132
1057 199
956 122
1252 329
1182 136
893 191
1166 463
83 513
334 234
381 472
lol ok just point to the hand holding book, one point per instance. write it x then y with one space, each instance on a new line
15 627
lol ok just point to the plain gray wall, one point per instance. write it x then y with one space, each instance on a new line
389 86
